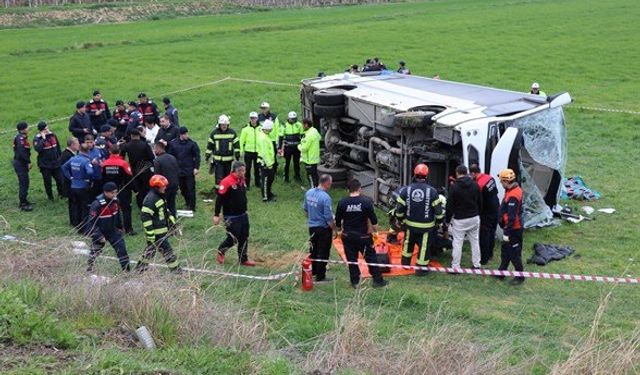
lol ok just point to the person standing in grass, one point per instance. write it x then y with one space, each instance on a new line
140 158
223 147
22 163
352 220
266 114
290 134
72 149
489 212
511 224
147 108
171 112
317 207
98 111
48 147
248 147
167 165
80 171
267 161
80 123
310 151
187 153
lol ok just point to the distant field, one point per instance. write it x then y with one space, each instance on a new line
586 47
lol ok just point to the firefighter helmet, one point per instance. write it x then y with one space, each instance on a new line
158 181
507 175
421 170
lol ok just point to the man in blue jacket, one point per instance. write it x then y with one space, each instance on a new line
81 173
187 154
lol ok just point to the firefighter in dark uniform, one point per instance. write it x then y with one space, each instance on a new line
104 225
147 108
115 169
232 202
121 120
98 111
80 123
420 210
223 148
511 224
158 225
140 158
488 213
22 163
187 153
48 147
290 134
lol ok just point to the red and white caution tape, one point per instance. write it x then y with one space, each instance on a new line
486 272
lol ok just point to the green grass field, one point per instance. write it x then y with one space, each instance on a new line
586 47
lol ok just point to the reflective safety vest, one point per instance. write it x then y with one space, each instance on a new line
249 138
266 153
511 210
310 147
156 218
275 133
291 133
223 145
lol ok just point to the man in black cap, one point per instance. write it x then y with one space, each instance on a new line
147 108
166 165
48 147
98 111
103 224
171 112
80 123
121 120
22 163
140 158
187 153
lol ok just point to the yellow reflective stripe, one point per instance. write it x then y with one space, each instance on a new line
151 238
223 136
147 210
422 255
401 201
147 223
223 158
399 214
436 202
405 245
173 264
160 203
172 219
161 230
440 216
210 140
416 224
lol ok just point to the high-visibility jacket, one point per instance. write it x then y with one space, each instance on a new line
156 218
275 133
511 210
266 153
249 138
223 145
419 206
291 133
310 146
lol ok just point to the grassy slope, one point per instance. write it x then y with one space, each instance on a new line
583 47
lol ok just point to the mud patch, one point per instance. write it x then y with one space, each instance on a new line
48 359
279 260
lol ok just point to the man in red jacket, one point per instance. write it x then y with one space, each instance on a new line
511 224
115 169
488 213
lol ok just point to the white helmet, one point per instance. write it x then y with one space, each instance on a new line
223 119
253 115
265 105
293 115
535 85
267 125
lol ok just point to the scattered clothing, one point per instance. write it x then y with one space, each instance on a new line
576 188
545 253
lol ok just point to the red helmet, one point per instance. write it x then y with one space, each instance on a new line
421 170
158 181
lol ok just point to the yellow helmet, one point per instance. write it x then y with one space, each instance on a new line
507 175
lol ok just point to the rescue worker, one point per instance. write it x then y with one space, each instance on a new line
310 151
419 210
463 212
166 165
115 169
104 225
232 202
266 114
80 123
317 207
187 153
535 90
167 131
223 148
290 135
48 147
488 214
22 164
147 108
98 111
267 161
121 120
248 147
402 68
171 112
353 215
140 158
81 172
72 150
511 224
159 224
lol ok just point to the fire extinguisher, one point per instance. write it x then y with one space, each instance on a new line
307 275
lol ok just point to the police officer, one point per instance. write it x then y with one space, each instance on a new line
97 157
267 161
187 153
419 209
98 111
48 147
353 215
104 225
266 114
535 89
115 169
248 147
290 135
489 212
147 108
167 132
223 147
22 164
80 123
310 151
166 165
120 120
232 202
104 141
171 112
158 223
135 118
511 224
72 149
140 158
81 172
